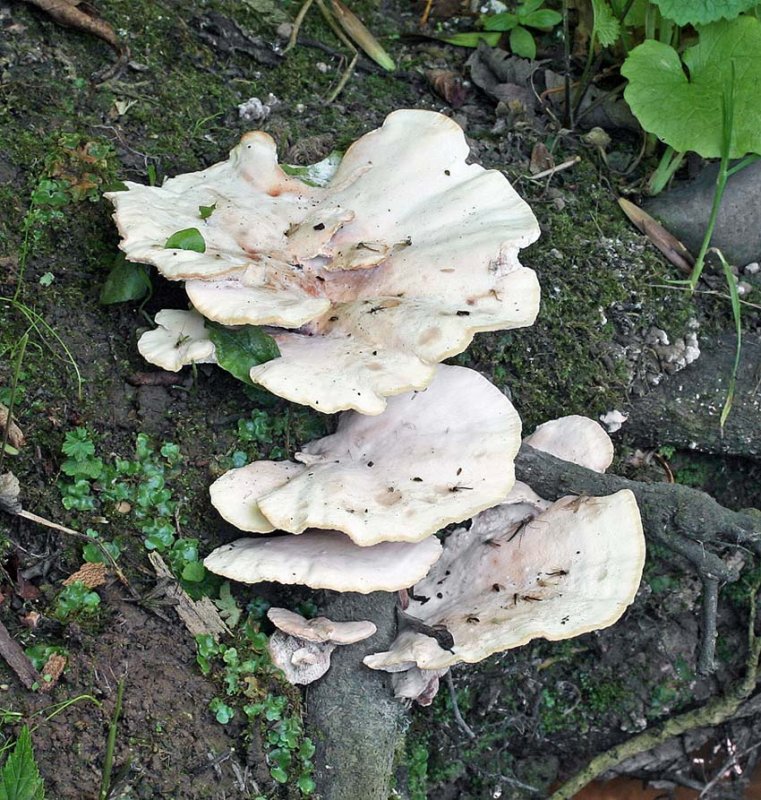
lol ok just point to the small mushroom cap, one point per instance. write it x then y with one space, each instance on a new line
420 685
572 569
180 338
325 560
302 662
320 629
400 476
577 439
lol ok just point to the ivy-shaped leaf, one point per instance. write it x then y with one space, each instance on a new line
607 28
238 349
20 778
687 112
186 239
206 211
125 282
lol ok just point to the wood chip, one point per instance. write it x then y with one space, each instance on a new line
52 672
15 434
16 659
198 616
92 575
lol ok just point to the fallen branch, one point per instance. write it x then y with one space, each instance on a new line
16 659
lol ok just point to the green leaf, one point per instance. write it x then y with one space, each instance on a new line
528 7
472 39
545 18
125 282
20 778
306 784
187 239
318 174
607 28
193 571
279 774
687 112
239 349
500 22
522 43
701 12
89 469
204 212
77 444
228 608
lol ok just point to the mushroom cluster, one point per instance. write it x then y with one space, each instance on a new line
365 283
367 278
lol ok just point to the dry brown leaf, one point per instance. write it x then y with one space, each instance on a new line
447 84
666 242
541 159
92 575
68 13
15 434
52 672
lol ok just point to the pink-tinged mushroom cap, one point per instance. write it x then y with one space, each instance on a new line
180 338
572 569
579 440
432 458
325 560
399 260
302 662
320 629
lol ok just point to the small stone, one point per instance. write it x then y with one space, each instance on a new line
744 288
752 268
284 30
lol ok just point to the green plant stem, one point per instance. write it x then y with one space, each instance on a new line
14 384
667 166
735 300
108 761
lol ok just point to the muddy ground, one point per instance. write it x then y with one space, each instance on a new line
537 713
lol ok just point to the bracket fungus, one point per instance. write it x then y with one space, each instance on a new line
394 264
526 568
301 648
397 477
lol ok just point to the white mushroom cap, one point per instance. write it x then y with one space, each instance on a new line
396 477
325 560
420 685
301 661
399 260
180 338
577 439
572 569
320 629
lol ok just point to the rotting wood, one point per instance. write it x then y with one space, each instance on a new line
198 616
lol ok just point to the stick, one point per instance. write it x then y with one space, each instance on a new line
456 708
16 658
552 170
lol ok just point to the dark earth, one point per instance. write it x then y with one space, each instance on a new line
538 713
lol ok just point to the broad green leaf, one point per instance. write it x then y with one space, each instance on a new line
193 571
500 22
20 778
357 31
522 43
607 27
472 39
529 6
187 239
701 12
125 282
544 18
239 349
686 112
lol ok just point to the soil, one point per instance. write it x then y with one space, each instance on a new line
538 713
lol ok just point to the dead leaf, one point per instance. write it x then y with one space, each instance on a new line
31 619
447 84
541 159
52 672
92 575
10 493
68 13
15 434
666 242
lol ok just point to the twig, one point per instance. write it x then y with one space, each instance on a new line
17 660
728 764
108 760
706 664
456 708
711 714
552 170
